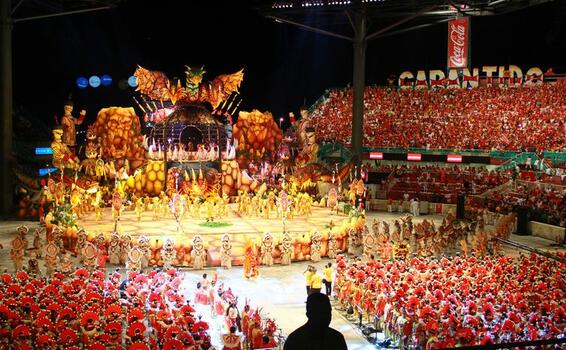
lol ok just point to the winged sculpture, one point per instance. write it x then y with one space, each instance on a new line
157 86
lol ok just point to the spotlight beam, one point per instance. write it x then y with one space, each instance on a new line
311 29
16 20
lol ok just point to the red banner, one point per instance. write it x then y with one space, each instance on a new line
458 38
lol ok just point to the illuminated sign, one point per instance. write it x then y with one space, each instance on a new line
454 158
42 151
45 171
375 155
415 157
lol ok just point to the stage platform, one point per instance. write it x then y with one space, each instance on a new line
241 228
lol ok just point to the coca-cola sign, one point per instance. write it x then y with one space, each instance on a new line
458 37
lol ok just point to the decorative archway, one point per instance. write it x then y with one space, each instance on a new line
191 134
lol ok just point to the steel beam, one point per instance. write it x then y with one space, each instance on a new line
309 28
358 83
6 178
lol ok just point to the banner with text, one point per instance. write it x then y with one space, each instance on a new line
458 41
511 75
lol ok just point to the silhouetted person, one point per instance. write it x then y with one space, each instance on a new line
315 334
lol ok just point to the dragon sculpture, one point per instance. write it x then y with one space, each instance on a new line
157 86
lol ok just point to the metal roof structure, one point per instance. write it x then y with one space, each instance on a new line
384 17
27 10
362 21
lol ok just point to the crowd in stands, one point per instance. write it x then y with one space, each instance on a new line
91 310
544 203
480 118
458 301
441 184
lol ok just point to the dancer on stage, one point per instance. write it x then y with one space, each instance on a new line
232 341
251 261
202 295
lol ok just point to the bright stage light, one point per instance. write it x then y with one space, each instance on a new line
45 171
42 151
454 158
415 157
133 81
375 155
106 80
82 82
94 81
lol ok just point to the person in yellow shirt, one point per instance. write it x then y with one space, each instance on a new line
308 278
328 278
316 280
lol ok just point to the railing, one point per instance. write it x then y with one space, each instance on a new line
440 151
329 148
521 158
555 157
531 184
532 250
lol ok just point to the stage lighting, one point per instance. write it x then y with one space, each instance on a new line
46 171
454 158
106 80
133 81
376 155
415 157
42 151
82 82
94 81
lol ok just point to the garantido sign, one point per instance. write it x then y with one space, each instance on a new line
466 78
458 39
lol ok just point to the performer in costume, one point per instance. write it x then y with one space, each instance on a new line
202 295
232 341
251 260
68 123
63 157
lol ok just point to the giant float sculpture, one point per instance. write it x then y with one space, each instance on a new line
181 173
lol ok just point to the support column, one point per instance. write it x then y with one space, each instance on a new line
6 174
358 84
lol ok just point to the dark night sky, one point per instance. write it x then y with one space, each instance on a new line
283 65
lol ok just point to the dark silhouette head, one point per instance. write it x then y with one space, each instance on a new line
265 339
319 312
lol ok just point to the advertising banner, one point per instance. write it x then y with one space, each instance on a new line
458 42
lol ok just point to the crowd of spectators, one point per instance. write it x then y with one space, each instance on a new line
544 203
461 301
442 184
481 118
540 193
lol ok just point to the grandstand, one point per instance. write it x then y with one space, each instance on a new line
486 118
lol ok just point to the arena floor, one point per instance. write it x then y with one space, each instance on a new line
279 290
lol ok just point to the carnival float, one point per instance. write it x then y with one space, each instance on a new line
174 181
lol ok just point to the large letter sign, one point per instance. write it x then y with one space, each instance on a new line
466 78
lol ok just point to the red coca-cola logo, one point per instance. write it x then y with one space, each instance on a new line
457 37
